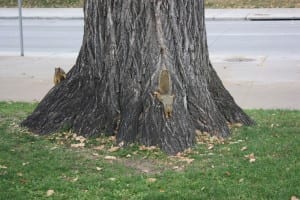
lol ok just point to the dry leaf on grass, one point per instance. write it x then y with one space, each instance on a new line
81 139
3 167
235 125
151 180
210 146
244 148
98 168
101 147
251 157
113 149
144 148
185 159
112 179
74 180
19 174
110 158
95 154
79 145
294 198
50 193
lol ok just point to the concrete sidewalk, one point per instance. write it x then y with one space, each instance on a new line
211 14
254 82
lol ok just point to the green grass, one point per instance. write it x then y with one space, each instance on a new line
31 165
209 3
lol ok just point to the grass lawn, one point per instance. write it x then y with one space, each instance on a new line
66 166
209 3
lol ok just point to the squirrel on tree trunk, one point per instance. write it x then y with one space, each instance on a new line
59 75
164 92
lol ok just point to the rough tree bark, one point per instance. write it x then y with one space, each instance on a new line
110 88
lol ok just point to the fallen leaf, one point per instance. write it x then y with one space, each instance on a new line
113 149
26 163
74 179
128 156
228 173
144 148
3 167
145 171
81 139
110 158
121 144
151 180
50 193
244 148
98 168
294 198
112 179
185 159
251 157
78 145
95 154
210 146
237 125
112 138
19 174
241 180
101 147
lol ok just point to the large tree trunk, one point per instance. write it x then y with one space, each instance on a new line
110 90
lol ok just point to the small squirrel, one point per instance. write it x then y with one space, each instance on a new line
59 75
164 92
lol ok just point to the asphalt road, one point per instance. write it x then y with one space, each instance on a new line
243 38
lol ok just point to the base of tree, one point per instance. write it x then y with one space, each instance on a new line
110 90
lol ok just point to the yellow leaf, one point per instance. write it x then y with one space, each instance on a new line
251 157
244 148
101 147
74 179
151 180
19 174
3 167
49 193
210 146
98 168
113 149
81 139
144 148
78 145
110 158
